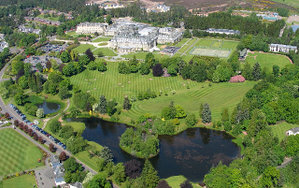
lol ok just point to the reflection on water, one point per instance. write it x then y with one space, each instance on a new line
191 153
49 107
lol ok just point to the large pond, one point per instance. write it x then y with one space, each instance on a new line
191 153
49 107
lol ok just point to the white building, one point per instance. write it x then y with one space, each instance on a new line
58 171
90 28
24 29
169 35
293 131
223 31
163 8
282 48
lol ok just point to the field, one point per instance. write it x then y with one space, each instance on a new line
17 153
142 55
268 60
293 3
207 47
102 39
280 129
83 47
115 85
24 181
105 51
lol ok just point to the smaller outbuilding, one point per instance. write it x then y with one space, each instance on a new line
237 79
243 54
293 131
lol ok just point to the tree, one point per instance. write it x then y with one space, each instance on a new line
149 175
62 156
71 165
106 154
99 181
186 184
144 69
65 57
83 101
225 115
52 148
111 107
119 173
74 55
84 59
206 114
54 126
63 92
163 184
101 66
40 113
270 177
133 168
158 70
276 69
191 120
180 112
27 69
123 68
76 144
256 72
23 82
291 145
89 53
247 71
169 112
103 105
31 109
127 105
108 19
20 98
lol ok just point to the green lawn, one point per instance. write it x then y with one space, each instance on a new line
268 60
17 153
49 18
176 181
142 55
86 159
83 47
24 181
293 3
280 129
77 126
115 85
105 51
102 39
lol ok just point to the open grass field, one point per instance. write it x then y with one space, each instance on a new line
268 60
17 153
77 126
210 52
24 181
176 181
56 18
83 47
142 55
280 129
102 39
293 3
105 51
115 85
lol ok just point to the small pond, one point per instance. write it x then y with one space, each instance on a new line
191 153
49 107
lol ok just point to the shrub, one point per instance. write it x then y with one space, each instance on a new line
158 70
191 120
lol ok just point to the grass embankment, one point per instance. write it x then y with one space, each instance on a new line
17 153
267 60
24 181
280 129
176 181
83 47
115 85
102 39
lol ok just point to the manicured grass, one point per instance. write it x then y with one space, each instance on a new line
77 126
24 181
102 39
293 3
105 51
115 85
268 60
280 129
86 159
142 55
102 44
83 47
17 153
49 18
176 181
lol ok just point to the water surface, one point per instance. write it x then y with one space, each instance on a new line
191 153
49 107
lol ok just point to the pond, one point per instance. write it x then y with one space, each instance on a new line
49 107
191 153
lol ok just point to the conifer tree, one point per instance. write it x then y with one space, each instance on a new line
149 175
127 105
206 114
103 105
256 72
